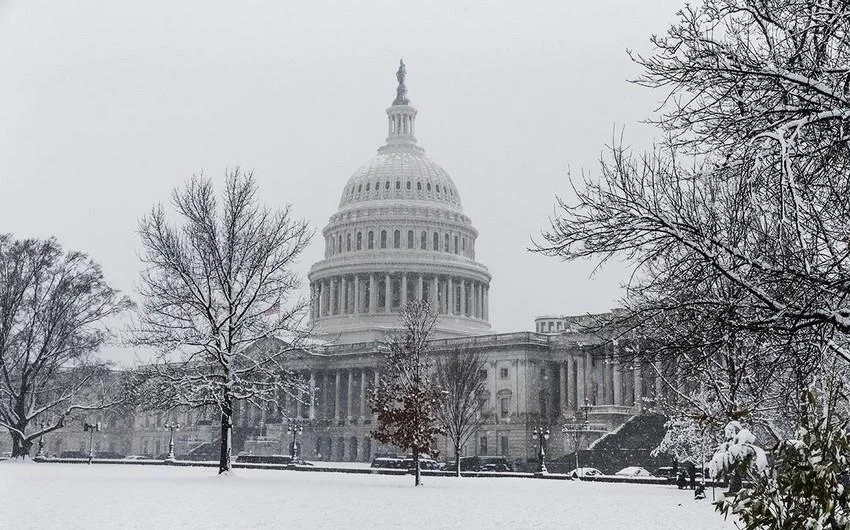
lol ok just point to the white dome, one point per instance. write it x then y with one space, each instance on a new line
399 173
399 235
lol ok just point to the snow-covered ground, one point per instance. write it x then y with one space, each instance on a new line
123 496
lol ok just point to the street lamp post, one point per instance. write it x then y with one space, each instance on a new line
40 453
91 428
171 426
576 428
541 435
294 428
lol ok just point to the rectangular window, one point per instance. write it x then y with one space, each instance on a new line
504 444
505 405
410 239
371 240
503 373
482 445
423 243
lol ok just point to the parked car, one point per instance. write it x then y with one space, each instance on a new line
425 463
482 463
582 472
111 455
633 471
73 454
271 459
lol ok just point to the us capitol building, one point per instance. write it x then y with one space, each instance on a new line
400 234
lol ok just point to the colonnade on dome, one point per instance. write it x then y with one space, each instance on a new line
374 293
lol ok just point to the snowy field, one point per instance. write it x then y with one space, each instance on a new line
115 496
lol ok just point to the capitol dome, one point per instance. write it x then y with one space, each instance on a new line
399 234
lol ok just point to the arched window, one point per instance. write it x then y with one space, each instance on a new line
436 242
408 185
438 188
359 240
339 244
371 240
367 186
463 245
410 239
398 184
397 239
428 186
446 244
348 242
387 185
419 186
383 239
423 240
359 188
456 247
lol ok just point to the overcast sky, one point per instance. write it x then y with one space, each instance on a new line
106 106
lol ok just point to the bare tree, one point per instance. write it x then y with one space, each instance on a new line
53 308
739 220
213 287
405 399
459 378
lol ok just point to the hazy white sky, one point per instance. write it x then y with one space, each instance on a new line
106 105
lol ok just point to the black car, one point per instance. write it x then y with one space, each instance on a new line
404 463
271 459
73 454
498 464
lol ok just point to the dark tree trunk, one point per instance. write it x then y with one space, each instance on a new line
224 460
20 446
416 471
457 460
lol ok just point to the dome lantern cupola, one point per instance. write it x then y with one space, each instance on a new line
401 129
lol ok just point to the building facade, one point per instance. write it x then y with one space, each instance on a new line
400 234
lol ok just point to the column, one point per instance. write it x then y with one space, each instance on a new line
403 295
345 300
659 383
590 375
356 308
388 291
433 294
463 297
580 379
563 388
373 294
349 401
487 303
320 286
362 393
334 297
337 396
420 293
617 381
312 396
638 386
450 298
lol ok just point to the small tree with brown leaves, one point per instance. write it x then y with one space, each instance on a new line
459 378
405 399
